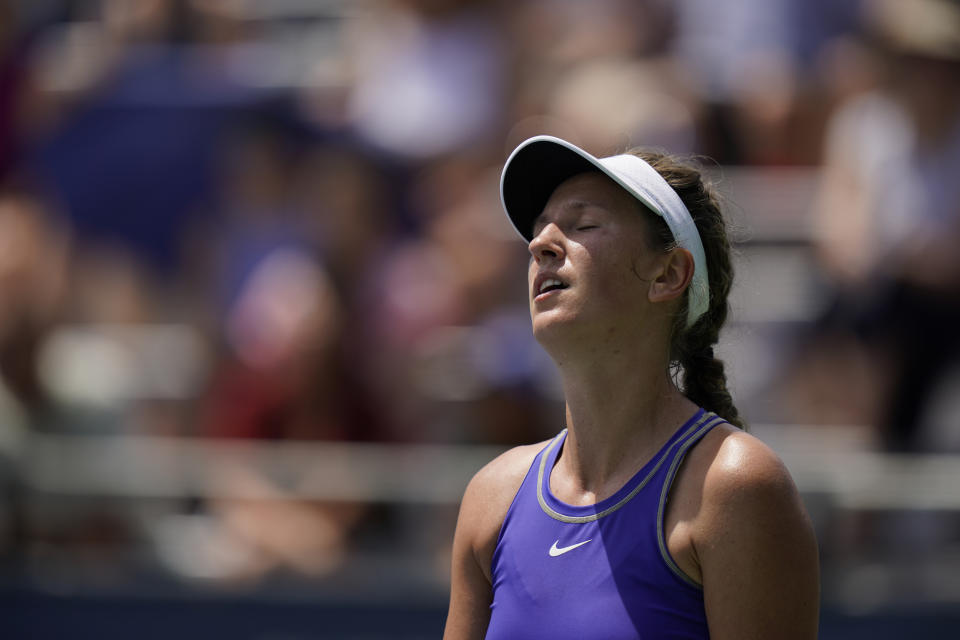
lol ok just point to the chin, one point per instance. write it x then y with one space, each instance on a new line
550 327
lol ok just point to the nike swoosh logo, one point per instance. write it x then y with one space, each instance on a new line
554 551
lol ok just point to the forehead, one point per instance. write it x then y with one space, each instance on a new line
592 189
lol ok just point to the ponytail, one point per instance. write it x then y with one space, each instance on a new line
700 374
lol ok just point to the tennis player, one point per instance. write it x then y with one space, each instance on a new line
652 514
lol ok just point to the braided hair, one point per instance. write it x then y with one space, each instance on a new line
700 373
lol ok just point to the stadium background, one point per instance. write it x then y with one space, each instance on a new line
261 316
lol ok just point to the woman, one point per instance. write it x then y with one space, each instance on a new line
652 515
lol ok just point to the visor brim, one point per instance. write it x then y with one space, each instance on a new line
531 174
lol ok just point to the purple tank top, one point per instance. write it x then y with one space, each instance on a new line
598 571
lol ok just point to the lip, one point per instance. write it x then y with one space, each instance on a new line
542 277
543 296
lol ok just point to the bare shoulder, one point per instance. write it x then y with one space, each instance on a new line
752 542
729 480
505 472
485 504
733 461
733 479
488 497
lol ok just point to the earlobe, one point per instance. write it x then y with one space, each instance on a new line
674 278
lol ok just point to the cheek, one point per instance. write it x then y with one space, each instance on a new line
624 280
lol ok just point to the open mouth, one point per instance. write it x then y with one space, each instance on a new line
550 284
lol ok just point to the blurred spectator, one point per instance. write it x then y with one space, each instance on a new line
429 76
353 216
640 102
889 213
135 119
283 373
591 72
281 378
748 61
743 64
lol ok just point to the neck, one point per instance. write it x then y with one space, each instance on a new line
621 408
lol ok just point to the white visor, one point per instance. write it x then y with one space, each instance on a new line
538 166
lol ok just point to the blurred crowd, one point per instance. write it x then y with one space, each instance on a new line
280 221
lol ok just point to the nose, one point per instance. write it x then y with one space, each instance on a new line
546 243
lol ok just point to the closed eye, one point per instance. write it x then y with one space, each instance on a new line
587 227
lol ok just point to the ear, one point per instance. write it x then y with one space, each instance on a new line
674 278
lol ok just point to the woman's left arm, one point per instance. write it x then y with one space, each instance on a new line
756 547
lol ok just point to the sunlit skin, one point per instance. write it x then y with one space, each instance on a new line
734 521
592 236
608 330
